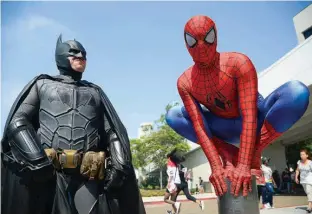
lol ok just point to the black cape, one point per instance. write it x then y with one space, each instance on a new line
124 201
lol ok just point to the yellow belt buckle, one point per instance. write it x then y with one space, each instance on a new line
69 159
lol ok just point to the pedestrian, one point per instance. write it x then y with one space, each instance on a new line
268 190
183 186
304 168
201 185
286 178
173 179
277 179
196 189
260 181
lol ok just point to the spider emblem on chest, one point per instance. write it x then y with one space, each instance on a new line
218 100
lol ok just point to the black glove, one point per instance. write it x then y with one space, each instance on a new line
114 179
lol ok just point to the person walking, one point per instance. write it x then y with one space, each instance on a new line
268 190
304 168
173 179
201 185
183 186
286 178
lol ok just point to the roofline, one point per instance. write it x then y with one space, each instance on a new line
302 10
193 150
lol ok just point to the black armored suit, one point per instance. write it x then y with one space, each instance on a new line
72 118
70 115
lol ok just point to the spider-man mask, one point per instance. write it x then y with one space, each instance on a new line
201 39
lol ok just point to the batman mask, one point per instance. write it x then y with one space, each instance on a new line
63 51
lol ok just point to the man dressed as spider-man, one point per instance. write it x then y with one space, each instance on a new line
222 107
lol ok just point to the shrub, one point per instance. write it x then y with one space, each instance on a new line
150 192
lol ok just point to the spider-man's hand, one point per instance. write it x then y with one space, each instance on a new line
229 169
241 177
217 179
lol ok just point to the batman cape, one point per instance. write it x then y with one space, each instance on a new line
125 200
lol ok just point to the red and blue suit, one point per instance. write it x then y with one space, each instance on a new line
223 108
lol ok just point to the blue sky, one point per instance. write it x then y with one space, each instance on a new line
136 50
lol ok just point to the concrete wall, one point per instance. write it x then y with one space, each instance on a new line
276 152
197 162
302 22
295 65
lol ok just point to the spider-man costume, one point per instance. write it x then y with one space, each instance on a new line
223 107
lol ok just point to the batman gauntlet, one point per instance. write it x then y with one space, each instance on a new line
93 165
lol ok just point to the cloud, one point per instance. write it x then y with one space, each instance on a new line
33 24
27 50
31 32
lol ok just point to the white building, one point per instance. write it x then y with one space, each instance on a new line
302 23
295 65
145 129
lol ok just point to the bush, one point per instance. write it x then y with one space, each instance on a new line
150 192
152 181
149 187
193 190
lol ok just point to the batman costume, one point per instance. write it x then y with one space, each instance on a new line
70 118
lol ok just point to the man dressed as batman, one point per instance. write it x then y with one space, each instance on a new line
64 148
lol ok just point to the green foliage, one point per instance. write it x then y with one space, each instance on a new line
139 152
150 193
151 182
164 140
154 147
293 151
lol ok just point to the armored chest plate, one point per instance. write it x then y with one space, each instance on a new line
69 115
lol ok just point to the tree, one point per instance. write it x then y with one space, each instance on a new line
154 147
292 151
159 143
139 152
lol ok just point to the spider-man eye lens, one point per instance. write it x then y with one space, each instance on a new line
210 37
190 41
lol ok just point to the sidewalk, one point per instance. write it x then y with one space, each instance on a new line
160 199
288 210
283 204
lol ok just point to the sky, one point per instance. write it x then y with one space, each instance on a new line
135 50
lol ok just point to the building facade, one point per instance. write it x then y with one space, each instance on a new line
302 22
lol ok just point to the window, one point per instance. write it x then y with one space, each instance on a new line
307 33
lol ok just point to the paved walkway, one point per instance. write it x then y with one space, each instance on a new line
289 210
211 206
160 199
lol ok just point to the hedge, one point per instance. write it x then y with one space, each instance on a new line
150 193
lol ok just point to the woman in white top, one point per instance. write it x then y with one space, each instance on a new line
305 170
173 179
268 189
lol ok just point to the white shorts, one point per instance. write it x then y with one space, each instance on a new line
308 190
